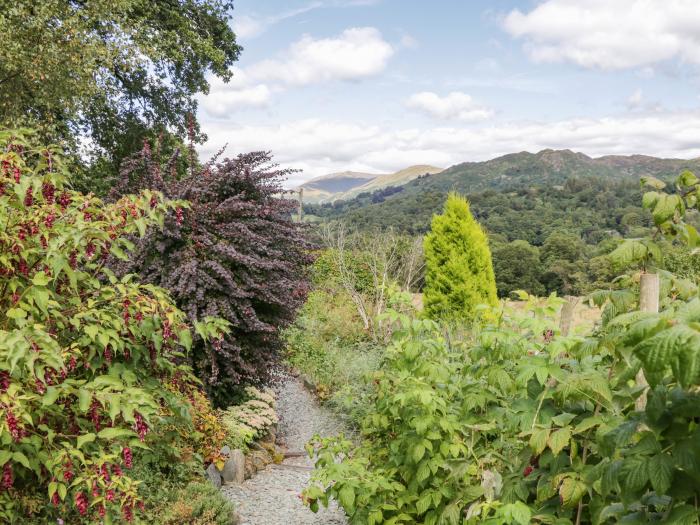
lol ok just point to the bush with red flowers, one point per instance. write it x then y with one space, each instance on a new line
84 355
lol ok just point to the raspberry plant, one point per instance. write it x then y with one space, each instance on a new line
513 423
83 354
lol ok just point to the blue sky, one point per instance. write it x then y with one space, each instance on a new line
378 85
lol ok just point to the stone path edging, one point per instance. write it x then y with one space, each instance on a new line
272 496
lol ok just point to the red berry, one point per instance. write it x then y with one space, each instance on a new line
8 477
141 426
13 425
528 470
64 200
81 502
29 197
4 381
68 471
47 190
126 453
94 414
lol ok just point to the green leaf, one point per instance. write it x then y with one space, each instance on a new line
40 279
5 455
424 503
84 399
687 178
660 473
21 459
450 515
50 396
633 474
653 182
85 438
16 313
418 452
112 432
563 419
185 339
666 207
571 491
518 512
538 440
682 515
92 331
346 497
559 439
119 253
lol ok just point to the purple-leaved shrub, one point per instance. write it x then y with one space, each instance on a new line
234 253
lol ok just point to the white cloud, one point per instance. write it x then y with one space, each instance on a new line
356 53
239 93
455 105
609 34
318 146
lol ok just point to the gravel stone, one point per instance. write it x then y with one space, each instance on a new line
272 496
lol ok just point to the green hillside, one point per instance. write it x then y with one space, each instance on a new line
398 178
568 209
514 193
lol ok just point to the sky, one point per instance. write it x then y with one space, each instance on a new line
379 85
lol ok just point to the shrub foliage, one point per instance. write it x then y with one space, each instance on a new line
235 254
459 274
514 423
84 355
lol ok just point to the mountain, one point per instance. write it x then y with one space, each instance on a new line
348 184
325 187
516 192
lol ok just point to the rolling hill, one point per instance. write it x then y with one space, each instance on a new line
516 193
348 184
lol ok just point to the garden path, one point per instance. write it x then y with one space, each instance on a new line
272 497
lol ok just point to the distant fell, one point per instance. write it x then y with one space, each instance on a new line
560 180
323 188
347 184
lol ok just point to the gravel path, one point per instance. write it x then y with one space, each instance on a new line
272 496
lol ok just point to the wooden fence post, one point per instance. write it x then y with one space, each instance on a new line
567 315
648 302
301 204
